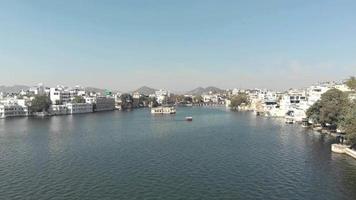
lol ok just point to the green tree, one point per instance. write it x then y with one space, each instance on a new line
313 113
351 83
238 100
348 123
330 109
40 103
78 99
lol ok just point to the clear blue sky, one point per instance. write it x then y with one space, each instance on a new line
178 44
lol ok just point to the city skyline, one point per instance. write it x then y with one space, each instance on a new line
124 45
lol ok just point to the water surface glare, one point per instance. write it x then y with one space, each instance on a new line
134 155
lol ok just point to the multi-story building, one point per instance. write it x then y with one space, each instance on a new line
59 95
77 108
314 93
13 108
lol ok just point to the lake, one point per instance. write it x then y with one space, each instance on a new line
136 155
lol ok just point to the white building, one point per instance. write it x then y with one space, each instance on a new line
91 100
161 96
118 101
77 108
38 90
211 98
13 108
59 95
136 95
314 93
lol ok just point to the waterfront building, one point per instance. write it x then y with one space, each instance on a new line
13 110
58 110
118 102
227 103
77 108
136 95
11 107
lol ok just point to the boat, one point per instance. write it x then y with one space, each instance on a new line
163 110
189 119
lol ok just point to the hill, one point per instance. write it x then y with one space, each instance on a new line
201 90
13 89
145 90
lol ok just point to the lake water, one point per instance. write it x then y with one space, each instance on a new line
134 155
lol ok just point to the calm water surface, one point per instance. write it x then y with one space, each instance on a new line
134 155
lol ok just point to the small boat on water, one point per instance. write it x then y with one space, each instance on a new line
189 119
163 110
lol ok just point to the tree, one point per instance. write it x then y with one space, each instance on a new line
313 113
40 103
198 99
348 123
78 99
351 83
126 101
330 109
238 100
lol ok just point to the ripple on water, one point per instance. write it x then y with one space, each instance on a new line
133 155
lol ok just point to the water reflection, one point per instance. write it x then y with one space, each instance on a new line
135 155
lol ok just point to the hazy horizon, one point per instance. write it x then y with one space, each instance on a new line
177 45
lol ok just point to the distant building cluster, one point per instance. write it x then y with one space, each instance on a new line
64 100
291 105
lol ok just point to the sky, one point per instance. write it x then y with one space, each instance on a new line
177 44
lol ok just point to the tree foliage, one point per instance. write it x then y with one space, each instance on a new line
348 124
198 99
40 103
351 83
78 99
241 98
313 113
330 109
126 101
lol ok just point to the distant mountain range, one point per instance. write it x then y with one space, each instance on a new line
142 90
13 89
145 90
96 90
201 90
